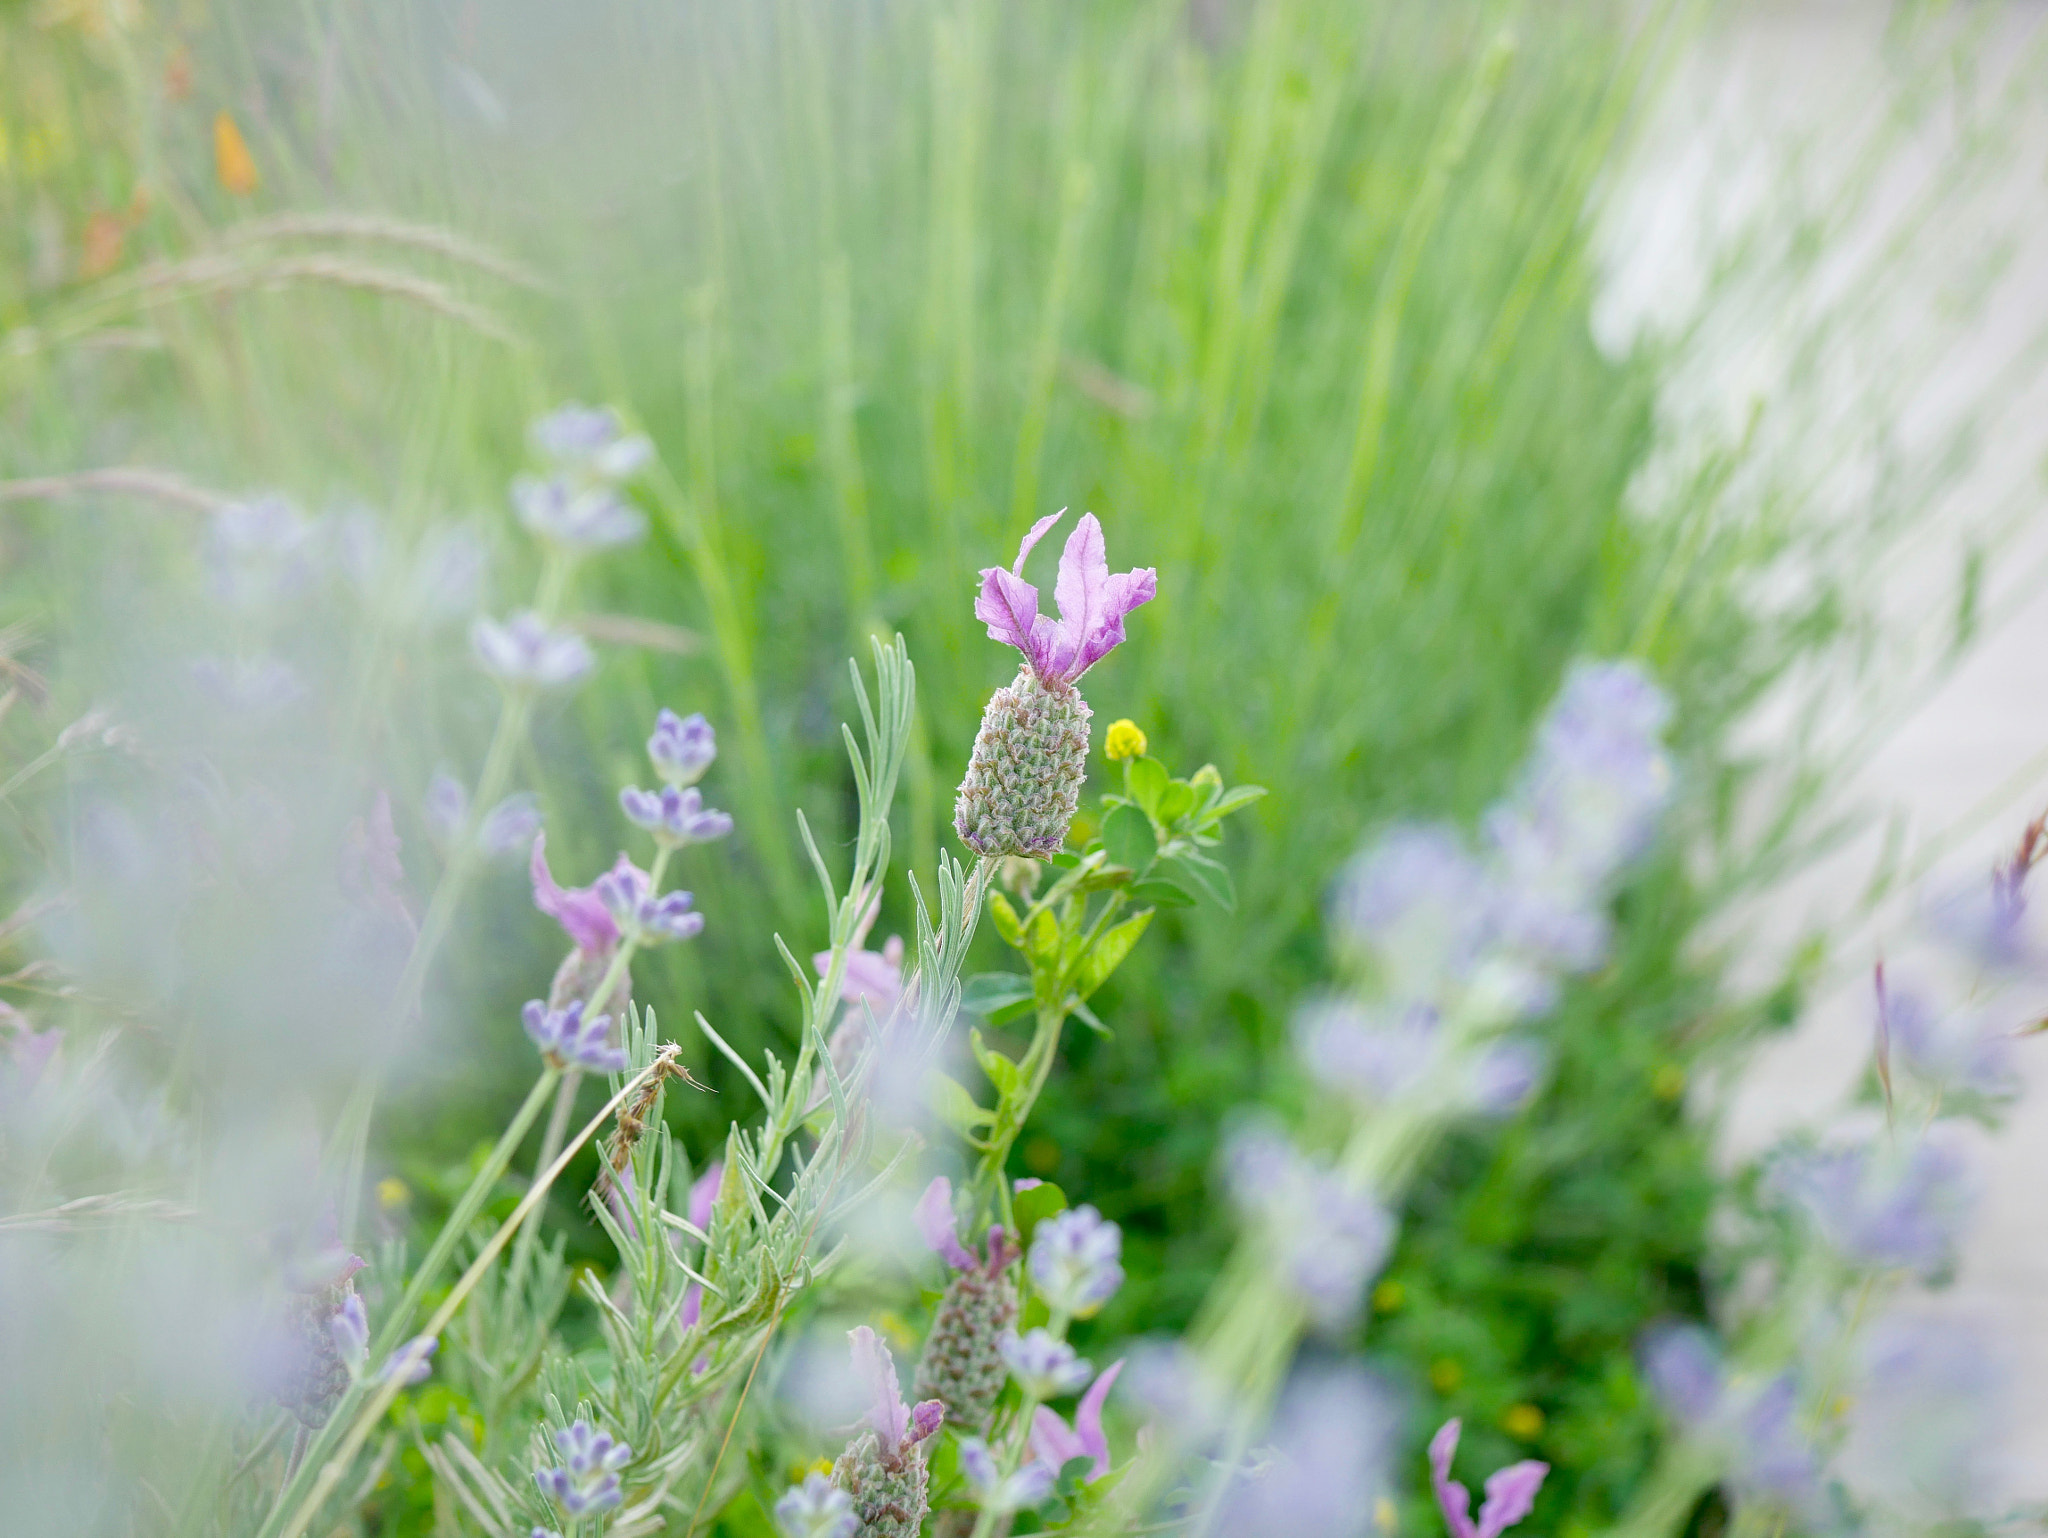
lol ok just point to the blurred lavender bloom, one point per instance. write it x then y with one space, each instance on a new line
870 981
1419 906
1325 1466
1045 1366
1092 604
1504 1075
675 817
1881 1207
1510 1492
1988 923
1329 1240
1170 1382
896 1425
1683 1369
581 517
371 874
628 896
350 1326
510 826
567 1040
704 1195
1378 1055
992 1492
1926 1412
445 807
941 1230
525 651
1958 1049
581 911
1055 1444
682 748
258 550
591 441
587 1480
1076 1260
1773 1455
817 1508
252 685
411 1363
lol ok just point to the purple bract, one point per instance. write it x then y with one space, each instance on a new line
1092 604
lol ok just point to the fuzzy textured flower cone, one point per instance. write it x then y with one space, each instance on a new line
1023 782
314 1372
883 1468
962 1366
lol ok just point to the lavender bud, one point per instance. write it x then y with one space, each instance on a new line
589 441
1328 1239
524 652
445 807
350 1327
509 827
675 817
1881 1208
1045 1366
627 896
682 748
816 1509
992 1492
1076 1261
587 1480
1024 779
412 1362
567 1040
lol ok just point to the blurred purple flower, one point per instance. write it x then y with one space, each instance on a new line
567 1040
992 1492
1055 1444
1092 604
896 1425
411 1363
704 1195
445 807
1683 1369
1045 1366
628 896
581 911
589 440
682 748
872 981
1170 1381
1958 1049
1076 1261
525 651
817 1508
1504 1075
1325 1465
1378 1055
1753 1423
582 517
1773 1454
941 1230
675 817
1927 1411
587 1480
510 826
1328 1239
1879 1206
1419 905
350 1327
1510 1492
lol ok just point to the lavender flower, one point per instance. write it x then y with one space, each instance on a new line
816 1509
1753 1424
589 441
992 1490
1055 1444
628 896
581 517
525 652
350 1326
1959 1049
675 817
883 1468
895 1424
507 828
962 1366
1092 604
1076 1261
682 748
1419 907
1510 1492
941 1230
1882 1208
1926 1412
587 1480
1377 1054
445 807
567 1040
1328 1240
1324 1467
1044 1366
1683 1369
412 1362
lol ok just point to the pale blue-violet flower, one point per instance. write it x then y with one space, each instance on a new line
993 1491
817 1508
895 1424
682 748
675 817
526 652
587 1479
579 517
1076 1261
568 1040
590 441
581 911
1329 1240
1044 1366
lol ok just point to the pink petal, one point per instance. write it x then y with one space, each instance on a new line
1052 1444
1008 605
1510 1494
926 1417
1451 1497
578 910
887 1412
1126 591
1088 1418
935 1221
1092 603
1030 541
703 1193
691 1309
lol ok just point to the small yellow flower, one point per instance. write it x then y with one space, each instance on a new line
1445 1374
815 1466
898 1329
232 162
1123 740
1668 1082
393 1192
1388 1296
1523 1422
1385 1516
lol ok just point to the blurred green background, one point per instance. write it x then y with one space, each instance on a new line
1294 294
